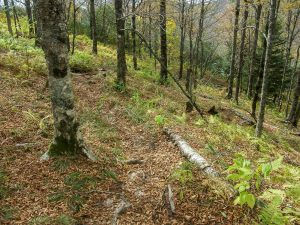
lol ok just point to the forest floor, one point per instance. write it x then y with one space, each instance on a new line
120 126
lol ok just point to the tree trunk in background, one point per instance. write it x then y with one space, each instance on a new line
163 43
241 56
292 81
290 30
121 57
29 16
67 136
182 38
8 19
253 55
150 30
74 26
16 19
37 27
103 29
265 84
292 118
93 26
232 65
189 89
133 20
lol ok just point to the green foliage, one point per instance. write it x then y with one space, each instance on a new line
181 119
271 213
61 165
3 188
76 181
243 175
56 197
160 120
139 108
64 220
7 213
184 173
83 62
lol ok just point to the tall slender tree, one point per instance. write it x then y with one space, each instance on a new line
233 52
93 26
258 9
29 17
292 118
163 43
266 77
182 37
8 18
67 136
121 57
241 53
133 21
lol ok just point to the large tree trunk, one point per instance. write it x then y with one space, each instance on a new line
121 57
292 118
29 16
8 19
93 26
232 64
163 43
253 54
241 57
67 136
265 84
133 20
182 38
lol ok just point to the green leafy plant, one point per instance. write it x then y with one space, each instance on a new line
160 120
183 175
243 174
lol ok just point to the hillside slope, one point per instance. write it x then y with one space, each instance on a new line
120 126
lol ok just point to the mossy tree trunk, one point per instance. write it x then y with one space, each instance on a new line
67 136
121 57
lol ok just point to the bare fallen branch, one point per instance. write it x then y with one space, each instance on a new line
190 153
122 207
168 200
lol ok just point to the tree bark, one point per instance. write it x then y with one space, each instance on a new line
29 16
93 26
121 57
265 84
67 136
233 54
8 18
290 30
292 118
133 20
74 26
16 19
254 47
241 55
37 27
182 38
163 43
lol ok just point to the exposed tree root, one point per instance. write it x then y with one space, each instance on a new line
122 207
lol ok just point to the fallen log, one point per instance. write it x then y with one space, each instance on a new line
190 153
168 200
